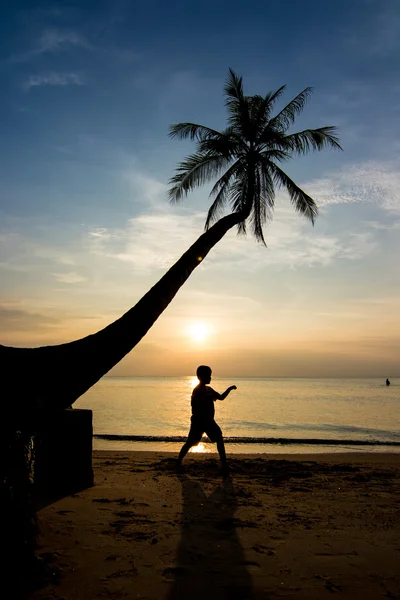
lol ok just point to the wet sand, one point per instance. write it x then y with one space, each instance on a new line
294 526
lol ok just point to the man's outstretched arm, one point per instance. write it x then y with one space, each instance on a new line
225 393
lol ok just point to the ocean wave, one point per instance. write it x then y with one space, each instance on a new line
321 427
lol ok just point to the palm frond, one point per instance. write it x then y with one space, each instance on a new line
271 138
220 192
234 86
261 107
226 145
196 170
259 209
286 117
239 197
313 139
275 154
192 131
238 105
302 202
267 186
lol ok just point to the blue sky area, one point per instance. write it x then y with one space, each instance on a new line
89 90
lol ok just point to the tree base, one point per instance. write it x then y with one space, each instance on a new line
63 455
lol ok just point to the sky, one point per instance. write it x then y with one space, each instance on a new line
88 92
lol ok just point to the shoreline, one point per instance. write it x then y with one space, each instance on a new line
357 456
240 449
299 525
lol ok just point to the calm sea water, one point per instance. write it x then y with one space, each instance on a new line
283 409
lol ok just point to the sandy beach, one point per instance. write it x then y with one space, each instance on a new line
296 526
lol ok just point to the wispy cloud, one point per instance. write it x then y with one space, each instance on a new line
51 41
148 241
54 40
15 318
156 241
373 182
52 79
69 278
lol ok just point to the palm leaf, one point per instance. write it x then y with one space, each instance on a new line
196 170
225 145
238 105
313 139
220 192
191 131
302 202
262 106
286 117
234 86
239 200
259 210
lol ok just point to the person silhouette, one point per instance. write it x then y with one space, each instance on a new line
387 382
202 420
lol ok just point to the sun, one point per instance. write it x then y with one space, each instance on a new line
198 331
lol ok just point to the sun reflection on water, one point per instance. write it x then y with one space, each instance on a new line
192 382
201 447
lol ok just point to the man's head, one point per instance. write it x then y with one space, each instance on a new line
204 374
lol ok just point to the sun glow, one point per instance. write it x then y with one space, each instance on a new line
200 448
192 382
198 331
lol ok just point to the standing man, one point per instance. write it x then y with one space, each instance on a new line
202 420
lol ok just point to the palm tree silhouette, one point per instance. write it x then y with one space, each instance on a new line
249 152
247 155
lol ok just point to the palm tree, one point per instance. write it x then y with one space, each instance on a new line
249 150
246 156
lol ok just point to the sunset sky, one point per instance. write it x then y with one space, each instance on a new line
89 90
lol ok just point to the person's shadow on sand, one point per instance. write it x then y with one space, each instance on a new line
210 560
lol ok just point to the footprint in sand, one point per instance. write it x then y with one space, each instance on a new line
171 573
250 565
263 549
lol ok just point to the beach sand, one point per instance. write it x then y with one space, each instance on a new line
295 526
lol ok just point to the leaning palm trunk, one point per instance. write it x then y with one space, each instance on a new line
53 377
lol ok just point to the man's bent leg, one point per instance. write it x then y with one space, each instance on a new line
184 450
213 430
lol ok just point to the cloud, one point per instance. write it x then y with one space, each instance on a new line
17 319
156 237
156 241
52 254
52 79
69 278
374 182
148 241
147 190
51 41
54 40
292 243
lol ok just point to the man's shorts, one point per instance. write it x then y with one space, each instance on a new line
200 426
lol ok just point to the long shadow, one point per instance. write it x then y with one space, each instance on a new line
210 561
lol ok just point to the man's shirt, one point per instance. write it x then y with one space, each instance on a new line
203 397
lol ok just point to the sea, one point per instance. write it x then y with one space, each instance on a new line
263 416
